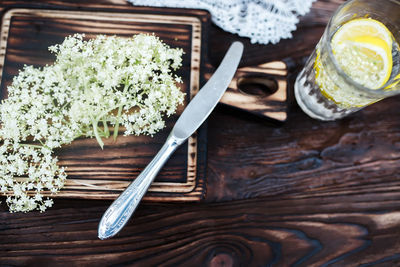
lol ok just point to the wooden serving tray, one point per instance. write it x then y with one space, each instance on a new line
103 174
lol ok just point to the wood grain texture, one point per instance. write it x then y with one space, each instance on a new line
260 90
301 193
273 232
103 174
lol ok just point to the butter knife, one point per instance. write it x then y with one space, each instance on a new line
196 112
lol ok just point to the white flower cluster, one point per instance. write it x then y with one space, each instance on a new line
92 86
26 168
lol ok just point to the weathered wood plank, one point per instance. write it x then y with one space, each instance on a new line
281 231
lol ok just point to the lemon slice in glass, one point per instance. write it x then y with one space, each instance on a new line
363 49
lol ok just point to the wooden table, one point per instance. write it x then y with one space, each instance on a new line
302 193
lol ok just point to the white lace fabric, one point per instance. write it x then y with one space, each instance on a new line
263 21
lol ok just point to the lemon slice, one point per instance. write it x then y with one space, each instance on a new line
363 27
363 49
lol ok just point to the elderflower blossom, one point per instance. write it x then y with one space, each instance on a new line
93 85
28 168
128 76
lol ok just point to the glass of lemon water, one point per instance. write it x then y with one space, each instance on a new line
356 62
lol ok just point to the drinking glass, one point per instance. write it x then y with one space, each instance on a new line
346 95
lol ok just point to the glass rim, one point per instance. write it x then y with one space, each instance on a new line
379 91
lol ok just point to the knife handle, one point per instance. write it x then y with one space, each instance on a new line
118 214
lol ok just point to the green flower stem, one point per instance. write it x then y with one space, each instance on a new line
98 118
78 135
82 132
96 134
106 131
31 145
116 127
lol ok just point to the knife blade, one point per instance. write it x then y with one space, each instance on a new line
207 98
196 112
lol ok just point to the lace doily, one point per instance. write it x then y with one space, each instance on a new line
263 21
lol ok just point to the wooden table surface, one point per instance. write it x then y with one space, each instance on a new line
302 193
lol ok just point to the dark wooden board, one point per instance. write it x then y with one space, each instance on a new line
102 174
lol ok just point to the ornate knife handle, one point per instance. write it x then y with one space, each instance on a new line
118 214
